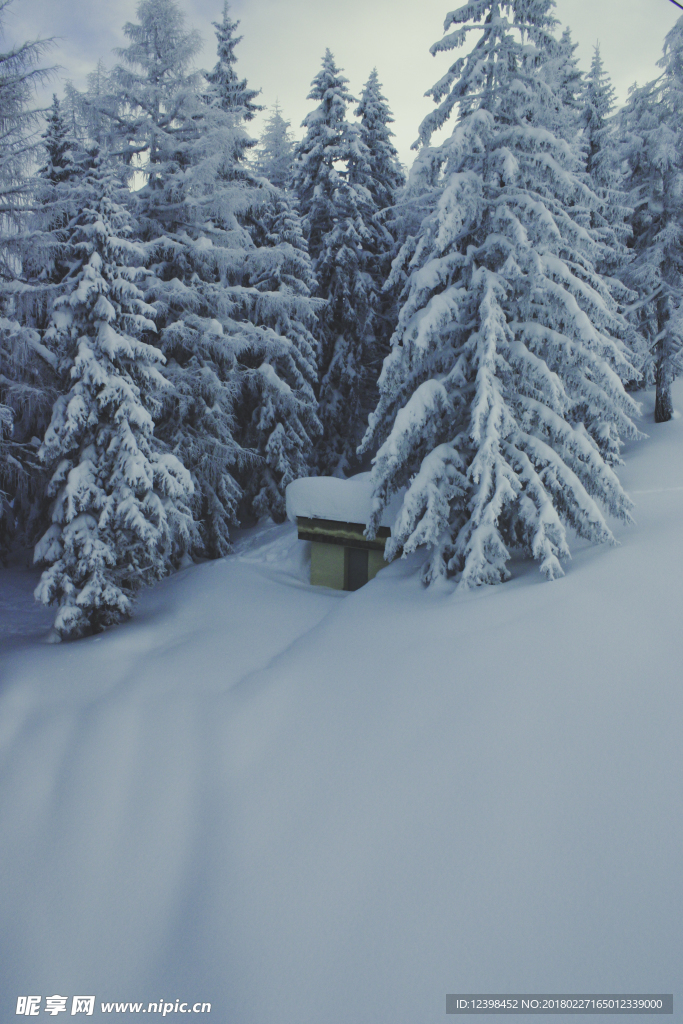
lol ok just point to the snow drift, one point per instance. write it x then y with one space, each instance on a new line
305 805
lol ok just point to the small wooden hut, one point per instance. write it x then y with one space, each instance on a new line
332 515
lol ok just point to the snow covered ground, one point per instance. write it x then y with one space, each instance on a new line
302 805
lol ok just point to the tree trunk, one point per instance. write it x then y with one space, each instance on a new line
663 407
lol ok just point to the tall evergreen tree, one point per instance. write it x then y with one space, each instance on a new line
58 145
325 149
119 511
235 95
502 408
383 177
42 263
338 216
280 422
651 127
565 81
220 328
599 101
609 220
24 373
275 155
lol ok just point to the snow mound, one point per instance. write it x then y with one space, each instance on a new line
346 501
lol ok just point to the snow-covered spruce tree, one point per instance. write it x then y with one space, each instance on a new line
275 154
338 214
329 141
609 220
382 172
349 346
651 130
280 422
599 101
20 75
235 95
120 502
382 175
92 115
57 190
501 401
276 412
24 375
59 146
564 99
40 265
224 332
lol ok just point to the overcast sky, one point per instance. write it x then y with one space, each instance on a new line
284 41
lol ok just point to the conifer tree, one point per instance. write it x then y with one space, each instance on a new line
58 145
338 213
383 177
24 373
41 255
560 69
119 513
219 326
275 155
92 115
328 142
280 421
599 102
609 219
235 95
651 129
502 406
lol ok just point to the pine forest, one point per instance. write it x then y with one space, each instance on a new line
194 314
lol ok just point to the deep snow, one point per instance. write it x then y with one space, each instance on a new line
303 805
346 501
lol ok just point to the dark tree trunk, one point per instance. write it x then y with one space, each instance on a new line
663 407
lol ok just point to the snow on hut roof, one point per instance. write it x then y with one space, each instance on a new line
328 497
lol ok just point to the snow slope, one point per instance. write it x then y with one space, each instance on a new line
303 805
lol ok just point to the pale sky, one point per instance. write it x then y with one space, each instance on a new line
284 41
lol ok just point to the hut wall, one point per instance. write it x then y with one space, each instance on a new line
327 565
375 563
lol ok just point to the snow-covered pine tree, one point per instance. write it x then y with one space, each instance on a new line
235 95
24 375
382 175
565 89
322 156
20 75
275 154
502 400
57 189
338 215
349 347
41 264
58 145
223 334
599 101
608 220
651 130
120 502
91 115
280 422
